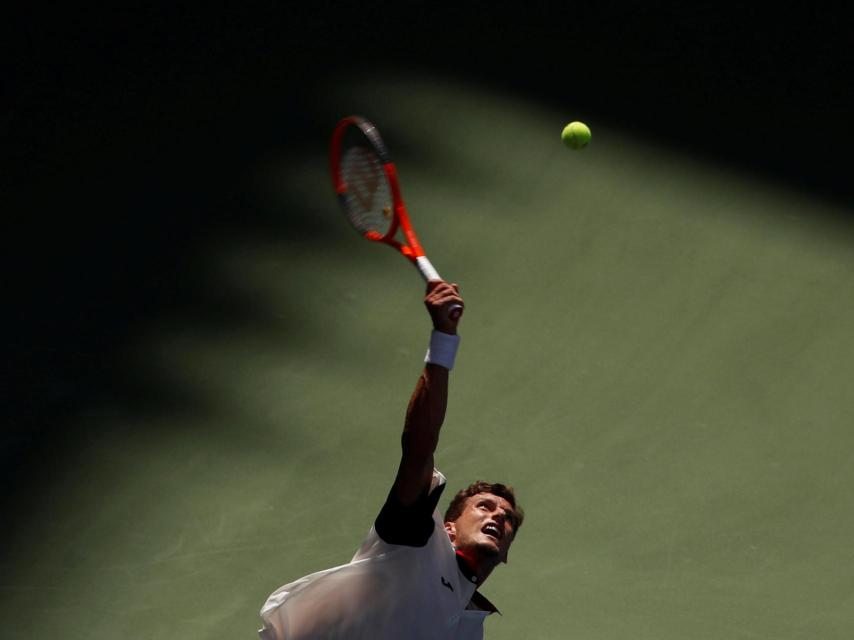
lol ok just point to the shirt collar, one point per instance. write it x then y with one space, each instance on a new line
477 599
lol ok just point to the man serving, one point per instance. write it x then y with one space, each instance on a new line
416 575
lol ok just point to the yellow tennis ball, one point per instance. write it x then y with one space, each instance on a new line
576 135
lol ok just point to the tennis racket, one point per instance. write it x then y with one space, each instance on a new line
365 180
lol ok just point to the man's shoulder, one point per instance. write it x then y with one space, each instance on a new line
410 525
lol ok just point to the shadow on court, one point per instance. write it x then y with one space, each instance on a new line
119 174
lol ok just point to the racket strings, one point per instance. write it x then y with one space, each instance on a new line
368 197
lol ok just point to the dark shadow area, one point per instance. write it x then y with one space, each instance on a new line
126 148
127 134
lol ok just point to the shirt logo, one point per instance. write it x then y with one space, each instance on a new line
447 584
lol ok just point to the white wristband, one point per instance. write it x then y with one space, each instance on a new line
442 350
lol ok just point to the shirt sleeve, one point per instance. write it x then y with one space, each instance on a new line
409 525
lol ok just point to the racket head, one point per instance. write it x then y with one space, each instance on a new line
363 177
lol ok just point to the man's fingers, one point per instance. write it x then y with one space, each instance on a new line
440 287
445 299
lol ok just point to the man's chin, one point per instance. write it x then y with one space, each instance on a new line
488 548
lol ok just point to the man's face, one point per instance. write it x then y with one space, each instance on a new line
485 528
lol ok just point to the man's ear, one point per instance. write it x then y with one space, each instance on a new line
451 529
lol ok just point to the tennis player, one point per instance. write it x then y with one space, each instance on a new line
416 575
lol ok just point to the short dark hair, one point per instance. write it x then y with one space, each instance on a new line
455 509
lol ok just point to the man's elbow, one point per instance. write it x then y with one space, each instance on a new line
417 445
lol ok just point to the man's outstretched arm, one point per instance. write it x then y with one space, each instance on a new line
426 410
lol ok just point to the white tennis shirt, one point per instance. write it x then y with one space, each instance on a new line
386 592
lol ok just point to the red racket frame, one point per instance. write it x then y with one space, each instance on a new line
413 250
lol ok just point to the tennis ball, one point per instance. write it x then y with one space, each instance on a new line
576 135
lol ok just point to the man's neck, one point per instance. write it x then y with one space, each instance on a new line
478 566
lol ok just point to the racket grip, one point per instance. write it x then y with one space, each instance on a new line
428 272
426 269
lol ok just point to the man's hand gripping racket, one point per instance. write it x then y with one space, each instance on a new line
366 182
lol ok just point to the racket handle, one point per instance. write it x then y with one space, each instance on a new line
428 272
426 269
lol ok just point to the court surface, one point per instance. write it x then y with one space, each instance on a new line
657 353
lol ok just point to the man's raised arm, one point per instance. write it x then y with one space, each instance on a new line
426 410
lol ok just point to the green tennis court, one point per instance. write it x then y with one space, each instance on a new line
656 352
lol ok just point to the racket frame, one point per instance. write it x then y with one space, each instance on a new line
412 250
